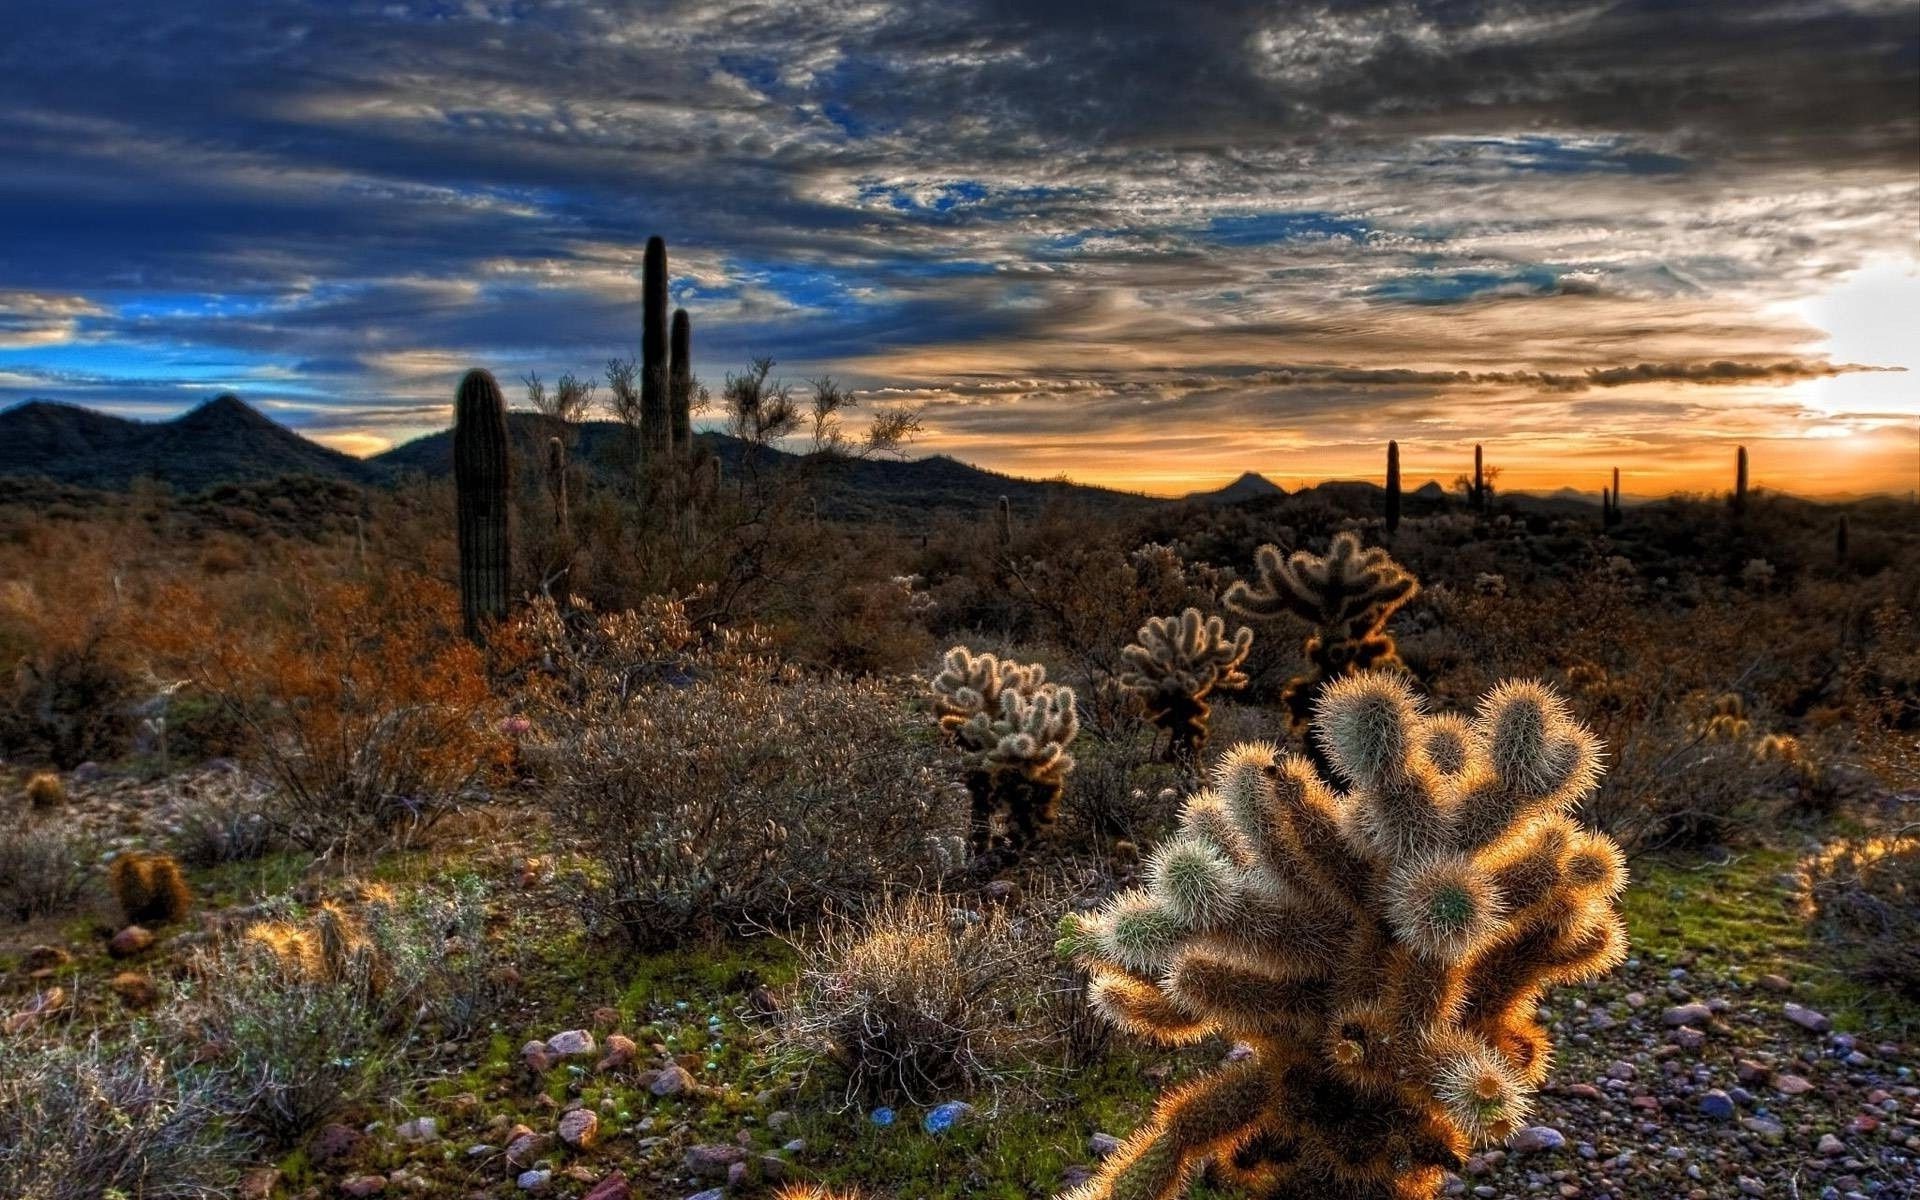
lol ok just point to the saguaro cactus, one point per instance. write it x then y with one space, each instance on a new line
557 484
1479 492
1012 728
1382 950
680 385
482 472
1175 665
1740 481
1393 486
1347 596
656 433
1003 518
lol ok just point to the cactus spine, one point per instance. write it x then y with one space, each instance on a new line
656 434
1347 596
1382 951
1393 486
1174 666
1740 481
1012 729
680 384
481 475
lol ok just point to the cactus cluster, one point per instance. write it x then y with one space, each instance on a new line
1012 728
1175 665
1381 951
150 887
1347 596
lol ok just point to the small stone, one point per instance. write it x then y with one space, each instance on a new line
418 1131
334 1142
713 1160
1717 1104
1792 1085
1807 1018
538 1180
1536 1139
134 939
620 1053
1776 983
606 1019
525 1145
613 1187
363 1185
1687 1014
538 1058
672 1082
571 1044
580 1129
1764 1127
1102 1144
1831 1146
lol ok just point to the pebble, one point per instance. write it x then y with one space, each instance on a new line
1807 1018
580 1128
1687 1014
571 1044
1535 1139
1717 1104
537 1180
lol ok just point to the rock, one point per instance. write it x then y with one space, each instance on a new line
606 1019
1687 1014
538 1058
620 1053
710 1194
1776 983
673 1081
524 1145
1807 1018
88 772
945 1116
1717 1104
882 1117
580 1128
1102 1144
613 1187
363 1185
1792 1085
335 1142
713 1160
1831 1146
571 1044
418 1131
779 1119
1765 1128
538 1180
134 939
1537 1139
1623 1070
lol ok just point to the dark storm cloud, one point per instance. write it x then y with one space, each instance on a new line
328 198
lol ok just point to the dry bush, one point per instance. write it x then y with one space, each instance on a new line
43 868
82 1120
1865 892
363 704
715 791
227 817
920 998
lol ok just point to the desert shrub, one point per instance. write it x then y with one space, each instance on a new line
149 887
82 1120
44 790
1865 894
362 703
43 868
308 1013
919 998
1119 790
226 817
69 704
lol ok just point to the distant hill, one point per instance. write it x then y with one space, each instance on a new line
1250 486
221 441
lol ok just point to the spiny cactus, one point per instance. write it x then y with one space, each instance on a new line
1479 493
1740 481
1003 516
656 432
1347 596
1175 665
1381 950
330 946
44 790
1012 728
150 887
1393 487
481 474
680 385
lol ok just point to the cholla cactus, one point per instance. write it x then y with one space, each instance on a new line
1381 950
1012 728
1177 663
1348 597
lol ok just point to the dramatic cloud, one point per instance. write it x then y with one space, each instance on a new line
1225 236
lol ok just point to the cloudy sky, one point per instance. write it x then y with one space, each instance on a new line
1137 243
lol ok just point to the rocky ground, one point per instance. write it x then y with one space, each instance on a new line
1728 1058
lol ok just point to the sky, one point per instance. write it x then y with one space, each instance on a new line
1132 243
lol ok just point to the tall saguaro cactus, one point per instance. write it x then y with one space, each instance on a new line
1382 951
1479 478
482 472
1393 486
1740 481
680 385
557 484
656 432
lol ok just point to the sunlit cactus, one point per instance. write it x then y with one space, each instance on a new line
1175 665
1347 596
1381 950
1012 729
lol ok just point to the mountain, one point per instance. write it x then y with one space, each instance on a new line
221 441
1430 491
1250 486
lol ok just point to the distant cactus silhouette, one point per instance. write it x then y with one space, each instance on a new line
1382 951
1003 517
1393 486
1012 728
1175 665
1740 481
1479 493
1347 596
680 384
150 887
656 419
557 484
481 474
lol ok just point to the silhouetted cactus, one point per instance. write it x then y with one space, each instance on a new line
1740 481
680 385
557 484
656 419
481 474
1382 951
1347 596
1175 665
1393 486
1479 492
150 887
1012 728
1003 518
